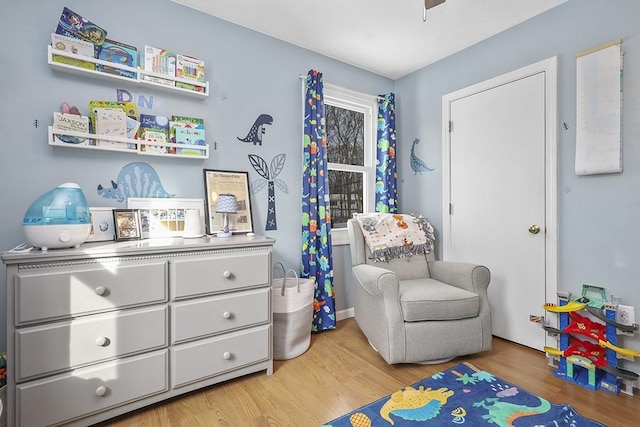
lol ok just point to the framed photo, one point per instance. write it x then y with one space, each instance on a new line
127 224
165 217
227 182
102 228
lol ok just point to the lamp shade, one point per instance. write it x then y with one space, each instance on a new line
226 203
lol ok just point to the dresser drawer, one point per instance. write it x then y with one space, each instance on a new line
67 291
64 345
210 357
90 390
213 315
219 273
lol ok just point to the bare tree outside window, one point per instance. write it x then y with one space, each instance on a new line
345 141
350 119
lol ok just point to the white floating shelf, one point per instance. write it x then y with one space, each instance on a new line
127 145
138 80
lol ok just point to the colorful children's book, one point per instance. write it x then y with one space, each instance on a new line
120 53
159 61
156 129
190 68
75 46
111 122
73 25
182 122
190 136
73 123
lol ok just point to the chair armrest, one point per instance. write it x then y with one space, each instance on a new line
377 281
471 277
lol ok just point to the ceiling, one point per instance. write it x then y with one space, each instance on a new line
387 37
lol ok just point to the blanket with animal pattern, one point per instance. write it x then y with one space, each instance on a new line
463 395
395 235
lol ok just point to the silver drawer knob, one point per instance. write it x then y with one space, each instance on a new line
226 355
100 290
227 274
226 315
101 391
103 341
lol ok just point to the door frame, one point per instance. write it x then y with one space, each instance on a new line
549 68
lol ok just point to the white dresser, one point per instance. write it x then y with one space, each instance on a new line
97 331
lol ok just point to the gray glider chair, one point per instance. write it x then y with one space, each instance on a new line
415 309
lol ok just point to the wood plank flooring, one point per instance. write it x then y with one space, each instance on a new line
340 373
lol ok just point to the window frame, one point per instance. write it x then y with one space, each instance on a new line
368 105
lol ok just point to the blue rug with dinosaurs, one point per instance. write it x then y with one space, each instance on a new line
463 395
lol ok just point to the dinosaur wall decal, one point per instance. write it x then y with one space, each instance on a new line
257 129
417 164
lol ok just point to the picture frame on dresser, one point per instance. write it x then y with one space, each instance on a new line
102 226
164 216
228 182
127 224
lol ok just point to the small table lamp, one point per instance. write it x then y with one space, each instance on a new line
226 205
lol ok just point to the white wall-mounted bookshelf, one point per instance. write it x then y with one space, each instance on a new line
127 145
140 74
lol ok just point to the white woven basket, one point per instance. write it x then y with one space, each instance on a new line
292 304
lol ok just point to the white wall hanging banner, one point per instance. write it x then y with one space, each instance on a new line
599 110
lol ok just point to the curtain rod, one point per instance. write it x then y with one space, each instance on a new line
346 89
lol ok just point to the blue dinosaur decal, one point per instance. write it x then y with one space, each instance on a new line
417 164
257 130
137 179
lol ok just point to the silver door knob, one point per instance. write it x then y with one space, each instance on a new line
534 229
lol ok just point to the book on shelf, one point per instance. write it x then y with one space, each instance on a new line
182 122
120 53
70 122
111 122
132 127
190 136
156 129
130 109
159 61
74 25
190 68
75 46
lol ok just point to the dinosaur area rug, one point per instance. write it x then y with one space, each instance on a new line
463 395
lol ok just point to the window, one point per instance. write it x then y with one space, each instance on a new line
351 134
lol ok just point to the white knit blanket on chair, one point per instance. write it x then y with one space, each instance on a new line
395 235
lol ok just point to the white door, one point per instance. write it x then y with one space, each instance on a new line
499 194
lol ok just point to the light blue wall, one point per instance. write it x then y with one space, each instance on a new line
249 74
598 228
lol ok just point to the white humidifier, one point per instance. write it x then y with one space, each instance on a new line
58 219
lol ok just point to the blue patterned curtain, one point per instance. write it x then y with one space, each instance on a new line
386 167
317 258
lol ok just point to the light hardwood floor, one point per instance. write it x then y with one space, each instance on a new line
340 373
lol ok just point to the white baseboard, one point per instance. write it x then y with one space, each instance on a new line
344 314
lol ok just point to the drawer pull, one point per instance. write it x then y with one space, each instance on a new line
226 355
226 274
101 391
226 315
103 341
100 290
